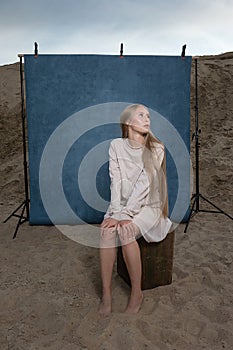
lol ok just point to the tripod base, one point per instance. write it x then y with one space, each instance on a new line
195 209
21 216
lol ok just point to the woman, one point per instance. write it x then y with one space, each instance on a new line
138 204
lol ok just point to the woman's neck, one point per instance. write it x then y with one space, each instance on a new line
136 139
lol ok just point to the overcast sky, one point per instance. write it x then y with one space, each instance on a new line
146 27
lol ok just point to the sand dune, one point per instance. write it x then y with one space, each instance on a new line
50 285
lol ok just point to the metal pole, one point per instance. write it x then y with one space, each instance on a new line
196 137
24 139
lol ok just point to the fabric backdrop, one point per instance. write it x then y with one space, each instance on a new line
73 103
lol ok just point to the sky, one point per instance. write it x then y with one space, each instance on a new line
145 27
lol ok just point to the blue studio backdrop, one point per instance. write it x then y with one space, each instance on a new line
73 104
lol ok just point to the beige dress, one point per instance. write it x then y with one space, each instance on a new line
130 190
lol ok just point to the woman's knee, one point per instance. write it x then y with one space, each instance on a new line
108 237
126 240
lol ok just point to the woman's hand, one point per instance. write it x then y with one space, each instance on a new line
127 231
124 222
108 230
109 222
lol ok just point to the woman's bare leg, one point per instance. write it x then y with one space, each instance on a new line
107 260
132 257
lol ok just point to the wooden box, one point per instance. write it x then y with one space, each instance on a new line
157 262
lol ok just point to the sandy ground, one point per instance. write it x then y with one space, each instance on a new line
50 285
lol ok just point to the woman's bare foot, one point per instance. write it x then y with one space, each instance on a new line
135 303
105 307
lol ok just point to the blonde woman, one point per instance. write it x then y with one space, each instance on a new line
138 203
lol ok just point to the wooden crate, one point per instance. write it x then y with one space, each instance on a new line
157 262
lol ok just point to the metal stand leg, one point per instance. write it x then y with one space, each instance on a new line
25 203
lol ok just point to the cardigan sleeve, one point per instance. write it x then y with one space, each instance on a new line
114 209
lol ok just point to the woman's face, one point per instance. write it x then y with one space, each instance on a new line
140 122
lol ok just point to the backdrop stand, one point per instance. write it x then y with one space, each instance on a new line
195 208
24 214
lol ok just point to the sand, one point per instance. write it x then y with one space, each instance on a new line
50 285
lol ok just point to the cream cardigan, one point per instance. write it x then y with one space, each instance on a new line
130 190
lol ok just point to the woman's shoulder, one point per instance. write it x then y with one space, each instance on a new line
116 146
116 142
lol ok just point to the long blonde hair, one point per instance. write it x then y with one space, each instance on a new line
147 156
